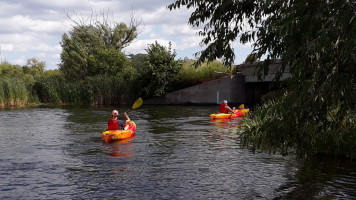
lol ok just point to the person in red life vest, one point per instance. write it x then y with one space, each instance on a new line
115 124
224 108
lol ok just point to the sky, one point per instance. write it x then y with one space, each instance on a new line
34 28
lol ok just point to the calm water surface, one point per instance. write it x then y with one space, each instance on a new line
177 153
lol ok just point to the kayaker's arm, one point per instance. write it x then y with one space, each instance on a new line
127 117
229 109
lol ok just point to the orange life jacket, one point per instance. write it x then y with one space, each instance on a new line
112 125
223 108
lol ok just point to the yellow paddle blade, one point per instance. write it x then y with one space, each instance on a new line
242 106
137 103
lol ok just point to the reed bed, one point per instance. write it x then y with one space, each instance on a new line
13 92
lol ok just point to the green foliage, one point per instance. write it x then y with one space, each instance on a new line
17 82
31 84
139 62
8 70
190 75
92 50
12 91
161 70
282 126
2 95
315 40
34 67
48 88
119 36
110 91
94 90
224 23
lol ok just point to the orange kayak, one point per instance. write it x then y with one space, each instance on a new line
114 135
238 113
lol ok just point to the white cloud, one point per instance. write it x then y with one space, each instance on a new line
56 56
7 47
62 3
19 61
140 46
40 55
34 28
26 42
179 29
189 42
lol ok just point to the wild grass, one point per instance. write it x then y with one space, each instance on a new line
97 90
190 75
13 92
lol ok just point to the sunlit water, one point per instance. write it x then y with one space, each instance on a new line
177 153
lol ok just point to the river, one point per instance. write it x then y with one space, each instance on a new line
177 153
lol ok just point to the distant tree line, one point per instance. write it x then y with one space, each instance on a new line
93 70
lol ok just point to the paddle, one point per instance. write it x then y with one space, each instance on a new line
137 104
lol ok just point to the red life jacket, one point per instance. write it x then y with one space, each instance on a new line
223 108
112 125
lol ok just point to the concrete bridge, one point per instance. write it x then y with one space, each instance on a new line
241 88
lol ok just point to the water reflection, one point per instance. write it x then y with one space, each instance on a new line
320 178
177 153
226 126
233 120
119 148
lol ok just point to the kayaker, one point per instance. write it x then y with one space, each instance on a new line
114 123
224 108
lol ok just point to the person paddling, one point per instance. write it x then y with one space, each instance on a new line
224 108
115 124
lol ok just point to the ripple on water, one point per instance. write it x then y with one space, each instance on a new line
178 153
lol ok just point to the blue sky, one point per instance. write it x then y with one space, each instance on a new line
34 28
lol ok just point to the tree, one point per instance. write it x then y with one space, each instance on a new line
9 70
118 37
34 67
316 40
161 69
224 22
95 49
139 62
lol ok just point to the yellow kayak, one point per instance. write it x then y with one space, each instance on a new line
113 135
238 113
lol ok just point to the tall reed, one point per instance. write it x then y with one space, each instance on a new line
13 92
96 90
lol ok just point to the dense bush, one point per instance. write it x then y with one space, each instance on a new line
161 70
278 127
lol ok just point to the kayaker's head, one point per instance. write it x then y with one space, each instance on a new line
114 113
225 102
